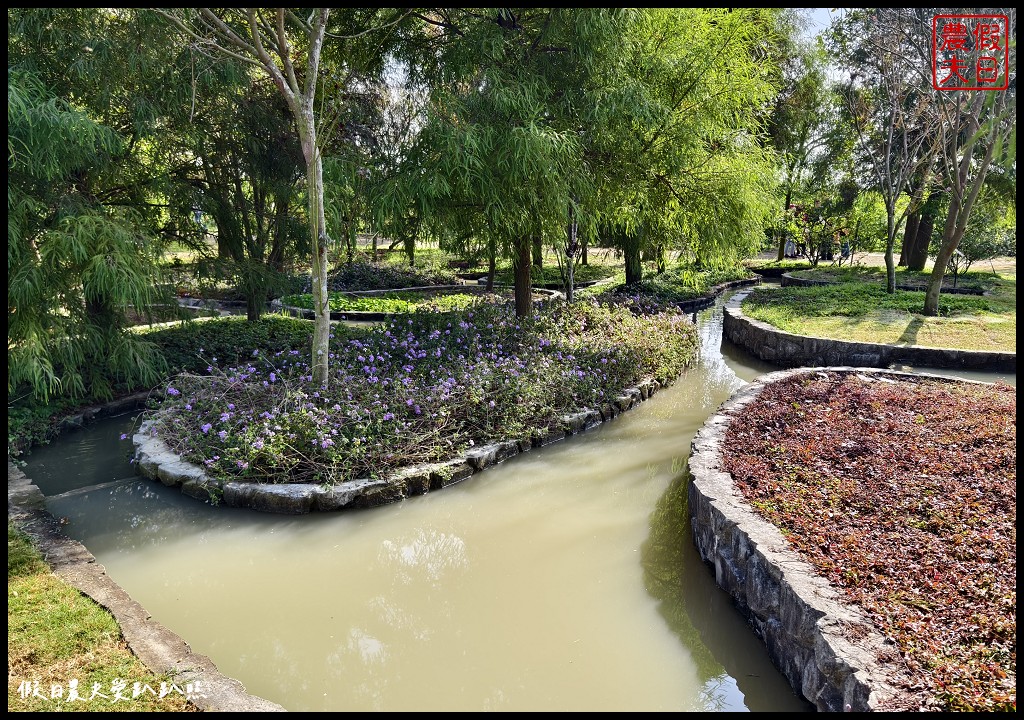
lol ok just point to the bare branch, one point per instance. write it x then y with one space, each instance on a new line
391 23
284 52
203 43
443 23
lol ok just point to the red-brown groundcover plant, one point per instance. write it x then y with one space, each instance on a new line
901 492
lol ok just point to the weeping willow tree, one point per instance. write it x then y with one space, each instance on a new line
499 162
75 265
682 168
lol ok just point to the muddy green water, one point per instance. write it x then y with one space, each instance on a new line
564 579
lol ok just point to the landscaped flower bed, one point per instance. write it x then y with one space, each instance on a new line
417 389
900 491
399 301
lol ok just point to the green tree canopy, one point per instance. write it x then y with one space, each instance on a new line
75 264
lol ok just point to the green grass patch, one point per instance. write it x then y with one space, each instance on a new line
392 302
551 274
865 312
972 280
678 283
391 272
56 637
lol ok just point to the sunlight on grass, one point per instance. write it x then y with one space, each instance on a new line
860 313
57 637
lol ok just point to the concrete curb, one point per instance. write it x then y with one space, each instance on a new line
161 650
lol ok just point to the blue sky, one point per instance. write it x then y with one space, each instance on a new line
821 18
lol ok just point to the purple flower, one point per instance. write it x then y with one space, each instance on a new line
172 391
124 436
206 428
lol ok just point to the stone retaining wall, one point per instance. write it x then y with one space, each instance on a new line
788 350
828 650
703 303
154 460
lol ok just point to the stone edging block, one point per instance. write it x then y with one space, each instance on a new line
155 460
802 619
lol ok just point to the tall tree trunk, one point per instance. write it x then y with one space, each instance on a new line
538 251
909 237
571 248
961 203
409 241
583 251
631 253
318 236
918 257
492 263
521 265
253 308
892 228
785 211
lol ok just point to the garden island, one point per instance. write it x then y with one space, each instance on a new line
526 206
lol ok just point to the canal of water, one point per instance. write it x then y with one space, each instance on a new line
564 579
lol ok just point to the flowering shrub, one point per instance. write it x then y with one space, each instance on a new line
419 389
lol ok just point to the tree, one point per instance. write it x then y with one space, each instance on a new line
893 110
240 164
89 89
499 152
977 131
798 123
678 160
287 47
75 264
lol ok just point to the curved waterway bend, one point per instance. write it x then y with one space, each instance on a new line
564 579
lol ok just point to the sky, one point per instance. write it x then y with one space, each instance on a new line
821 18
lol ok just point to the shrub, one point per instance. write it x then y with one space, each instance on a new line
422 388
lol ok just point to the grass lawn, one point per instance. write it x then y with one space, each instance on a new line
58 638
861 311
